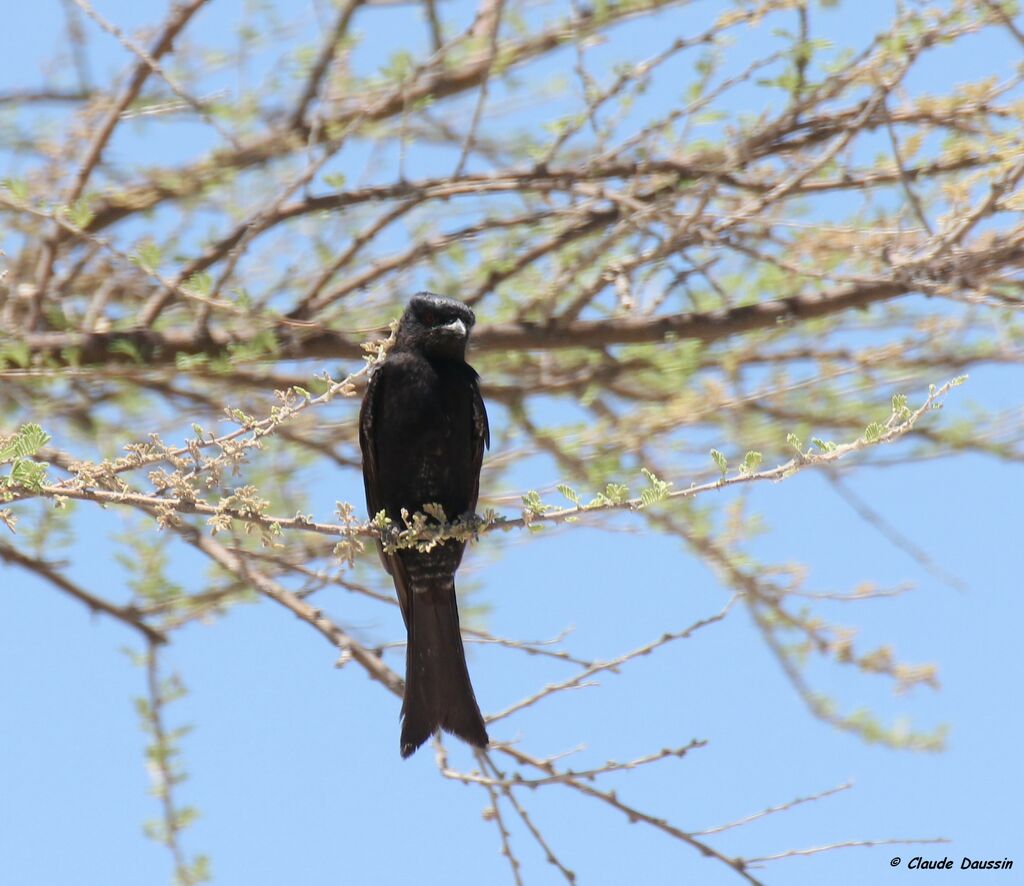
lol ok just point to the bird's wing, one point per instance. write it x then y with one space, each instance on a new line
367 436
481 439
371 481
367 413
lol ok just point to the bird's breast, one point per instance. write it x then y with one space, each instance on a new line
424 447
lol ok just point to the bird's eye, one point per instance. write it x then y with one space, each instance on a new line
429 318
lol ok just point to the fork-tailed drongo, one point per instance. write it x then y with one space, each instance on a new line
422 430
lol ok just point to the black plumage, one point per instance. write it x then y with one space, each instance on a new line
423 429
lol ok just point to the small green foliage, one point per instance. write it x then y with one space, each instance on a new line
79 213
614 494
900 410
399 66
262 345
617 492
27 473
148 567
196 872
17 188
657 490
533 506
199 284
421 534
825 446
244 502
751 462
873 432
187 362
242 298
27 441
17 450
163 758
433 509
239 417
569 493
863 723
127 347
147 256
16 354
795 442
721 462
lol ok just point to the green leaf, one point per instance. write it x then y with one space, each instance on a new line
198 872
186 362
27 440
751 462
17 354
569 493
128 348
873 432
27 473
147 257
721 462
899 407
79 213
399 66
532 503
238 416
616 493
199 284
18 189
656 491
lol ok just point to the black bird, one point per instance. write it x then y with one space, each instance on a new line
423 429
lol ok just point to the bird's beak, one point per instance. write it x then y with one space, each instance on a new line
456 327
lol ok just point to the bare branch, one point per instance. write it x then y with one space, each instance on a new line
127 615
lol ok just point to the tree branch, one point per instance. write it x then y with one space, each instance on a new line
127 615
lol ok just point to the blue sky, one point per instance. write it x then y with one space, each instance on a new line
293 763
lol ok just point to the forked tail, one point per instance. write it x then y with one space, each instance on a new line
438 693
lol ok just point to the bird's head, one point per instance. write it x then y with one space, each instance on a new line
436 326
